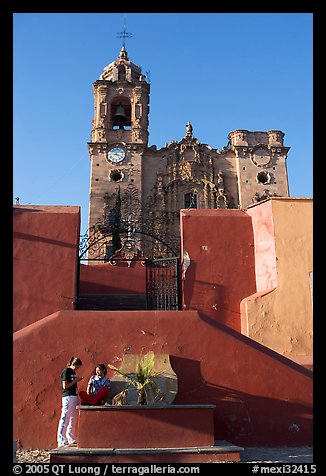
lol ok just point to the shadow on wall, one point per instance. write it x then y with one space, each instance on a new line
212 298
18 210
254 344
205 295
40 239
215 298
239 415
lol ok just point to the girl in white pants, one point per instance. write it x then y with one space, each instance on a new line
67 423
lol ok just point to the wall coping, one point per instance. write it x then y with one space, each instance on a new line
143 407
279 199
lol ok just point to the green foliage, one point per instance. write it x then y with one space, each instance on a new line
143 380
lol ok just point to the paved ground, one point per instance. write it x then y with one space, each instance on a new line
282 454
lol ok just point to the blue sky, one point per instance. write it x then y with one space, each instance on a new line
220 71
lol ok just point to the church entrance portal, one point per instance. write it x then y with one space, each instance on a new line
162 276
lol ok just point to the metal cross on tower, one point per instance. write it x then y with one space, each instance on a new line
124 34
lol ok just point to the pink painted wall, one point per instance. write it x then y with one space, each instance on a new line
221 273
281 317
265 254
261 398
45 246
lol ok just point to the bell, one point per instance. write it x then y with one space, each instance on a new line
120 117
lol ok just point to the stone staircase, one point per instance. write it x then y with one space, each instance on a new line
112 302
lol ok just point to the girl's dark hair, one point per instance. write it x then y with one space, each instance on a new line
101 366
74 361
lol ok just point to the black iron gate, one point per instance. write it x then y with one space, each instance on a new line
163 276
163 287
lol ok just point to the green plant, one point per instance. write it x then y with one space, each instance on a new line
143 380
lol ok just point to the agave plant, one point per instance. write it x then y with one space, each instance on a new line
143 380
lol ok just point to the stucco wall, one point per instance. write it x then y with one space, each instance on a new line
265 253
45 246
261 398
119 279
220 246
282 318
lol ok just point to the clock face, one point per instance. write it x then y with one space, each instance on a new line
116 154
261 157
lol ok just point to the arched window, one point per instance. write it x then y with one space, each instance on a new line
190 200
121 73
121 114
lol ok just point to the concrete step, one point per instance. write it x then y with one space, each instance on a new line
219 452
112 302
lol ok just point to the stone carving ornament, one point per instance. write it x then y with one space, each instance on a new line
185 171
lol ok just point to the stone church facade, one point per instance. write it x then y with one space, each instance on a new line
136 190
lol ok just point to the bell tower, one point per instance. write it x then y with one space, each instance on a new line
118 140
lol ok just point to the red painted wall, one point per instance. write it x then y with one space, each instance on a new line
119 279
45 244
220 245
172 426
261 398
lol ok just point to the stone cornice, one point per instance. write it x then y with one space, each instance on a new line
275 149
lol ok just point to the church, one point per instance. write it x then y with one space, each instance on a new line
139 191
219 257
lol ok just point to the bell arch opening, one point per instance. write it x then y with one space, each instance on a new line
120 113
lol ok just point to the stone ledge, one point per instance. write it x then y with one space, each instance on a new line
152 406
220 446
221 451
